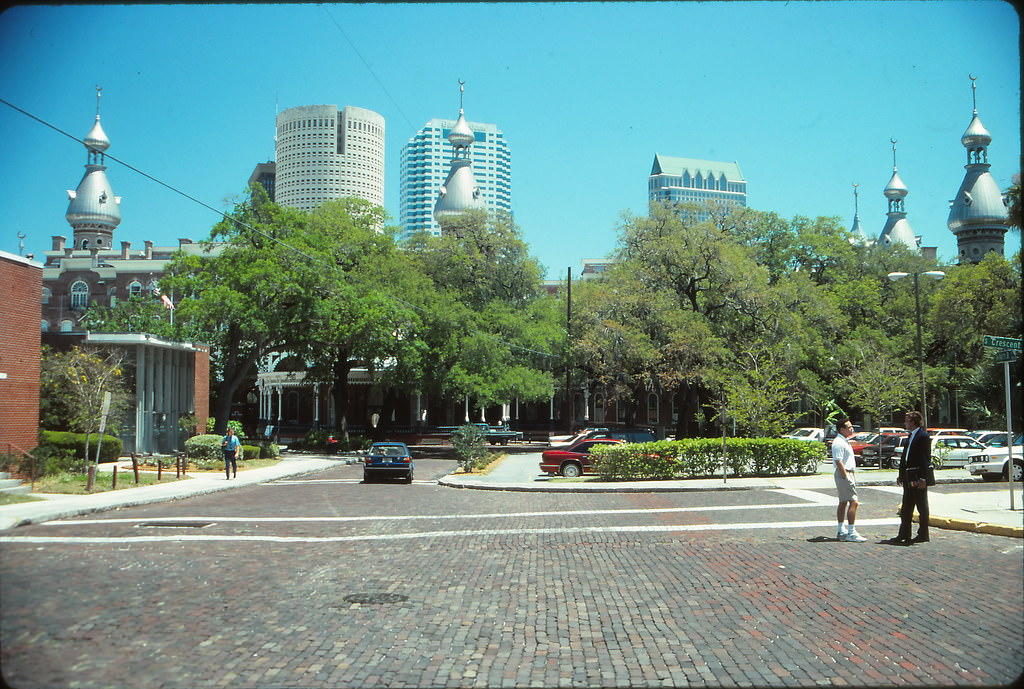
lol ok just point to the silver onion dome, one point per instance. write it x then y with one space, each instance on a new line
97 139
896 189
976 134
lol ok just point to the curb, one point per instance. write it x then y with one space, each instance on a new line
954 524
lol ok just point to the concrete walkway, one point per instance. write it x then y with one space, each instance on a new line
985 511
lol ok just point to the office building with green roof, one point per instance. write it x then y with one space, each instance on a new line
688 180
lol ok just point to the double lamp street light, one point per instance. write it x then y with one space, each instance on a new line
938 275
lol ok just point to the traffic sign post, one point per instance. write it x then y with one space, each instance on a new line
1009 347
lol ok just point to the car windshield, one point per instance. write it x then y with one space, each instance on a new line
801 432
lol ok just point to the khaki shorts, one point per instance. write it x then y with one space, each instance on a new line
847 488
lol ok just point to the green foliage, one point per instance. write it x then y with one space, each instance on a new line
470 443
58 443
73 385
144 313
702 457
232 424
204 448
269 450
251 452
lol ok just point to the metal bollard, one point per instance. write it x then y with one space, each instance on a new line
113 480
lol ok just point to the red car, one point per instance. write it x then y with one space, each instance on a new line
574 460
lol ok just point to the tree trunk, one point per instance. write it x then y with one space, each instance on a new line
342 367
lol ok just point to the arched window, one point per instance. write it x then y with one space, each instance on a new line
66 326
652 408
45 326
79 294
135 288
46 295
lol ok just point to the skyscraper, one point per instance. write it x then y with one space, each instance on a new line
427 163
687 180
977 215
325 153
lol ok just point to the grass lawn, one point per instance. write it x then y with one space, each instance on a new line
75 484
14 498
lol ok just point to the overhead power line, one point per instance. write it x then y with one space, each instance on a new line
246 226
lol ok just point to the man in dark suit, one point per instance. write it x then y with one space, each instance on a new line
913 471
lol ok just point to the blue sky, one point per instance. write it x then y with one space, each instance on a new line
805 96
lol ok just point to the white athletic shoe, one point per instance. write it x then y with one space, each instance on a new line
840 535
854 537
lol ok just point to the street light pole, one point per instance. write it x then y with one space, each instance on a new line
938 275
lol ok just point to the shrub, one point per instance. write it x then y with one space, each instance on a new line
110 450
470 444
250 452
204 448
269 450
695 457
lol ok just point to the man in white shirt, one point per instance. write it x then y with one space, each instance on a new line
846 464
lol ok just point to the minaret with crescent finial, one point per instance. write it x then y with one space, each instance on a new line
978 215
857 233
460 192
897 230
93 211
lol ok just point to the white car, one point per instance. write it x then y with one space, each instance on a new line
807 434
990 438
955 450
993 465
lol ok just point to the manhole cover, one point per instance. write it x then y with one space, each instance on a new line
375 598
175 524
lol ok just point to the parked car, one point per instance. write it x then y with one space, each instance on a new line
629 435
808 434
994 464
574 460
891 430
990 438
858 441
885 452
955 450
938 432
388 459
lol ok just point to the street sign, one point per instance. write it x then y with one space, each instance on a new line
1005 356
994 342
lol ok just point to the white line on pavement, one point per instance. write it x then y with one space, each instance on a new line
434 517
750 526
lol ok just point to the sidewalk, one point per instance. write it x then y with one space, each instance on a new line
62 506
983 511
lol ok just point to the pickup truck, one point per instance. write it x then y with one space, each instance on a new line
496 435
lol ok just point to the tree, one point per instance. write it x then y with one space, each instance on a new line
354 275
137 314
492 337
879 383
241 295
83 378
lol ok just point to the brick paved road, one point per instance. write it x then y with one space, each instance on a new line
325 582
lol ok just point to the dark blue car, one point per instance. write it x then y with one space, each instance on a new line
388 459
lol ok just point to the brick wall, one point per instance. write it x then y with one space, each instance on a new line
202 386
21 285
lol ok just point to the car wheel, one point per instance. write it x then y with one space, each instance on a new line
1018 471
571 470
892 463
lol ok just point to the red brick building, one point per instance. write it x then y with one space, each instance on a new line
21 283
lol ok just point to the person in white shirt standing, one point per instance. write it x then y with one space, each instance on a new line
846 465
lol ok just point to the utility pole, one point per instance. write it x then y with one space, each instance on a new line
570 416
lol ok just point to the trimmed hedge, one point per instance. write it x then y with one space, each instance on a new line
51 441
204 447
702 457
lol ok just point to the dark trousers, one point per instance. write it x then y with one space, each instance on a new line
230 463
914 497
